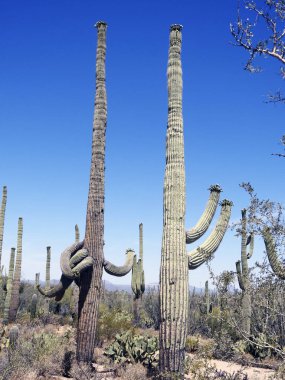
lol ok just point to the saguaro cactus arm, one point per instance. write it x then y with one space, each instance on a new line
58 290
119 271
199 255
73 261
203 223
270 246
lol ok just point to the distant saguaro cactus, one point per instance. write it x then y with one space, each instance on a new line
174 259
47 284
206 308
37 280
243 274
15 296
9 286
138 281
271 251
33 307
77 234
83 262
2 220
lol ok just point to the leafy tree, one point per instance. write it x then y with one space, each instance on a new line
260 30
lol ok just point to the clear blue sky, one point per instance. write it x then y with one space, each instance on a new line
47 76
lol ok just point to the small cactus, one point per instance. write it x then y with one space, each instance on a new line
13 337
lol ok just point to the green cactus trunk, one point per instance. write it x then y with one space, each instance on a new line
9 287
2 219
33 307
37 280
174 261
90 288
138 283
15 296
47 283
243 277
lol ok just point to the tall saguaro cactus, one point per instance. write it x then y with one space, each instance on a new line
243 274
174 259
15 296
9 286
83 262
2 219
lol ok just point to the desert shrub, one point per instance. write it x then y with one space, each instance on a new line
42 354
192 343
112 322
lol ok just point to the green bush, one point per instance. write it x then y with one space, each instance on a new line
112 322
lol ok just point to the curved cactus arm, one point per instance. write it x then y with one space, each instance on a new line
240 276
78 256
199 255
58 290
270 246
82 266
203 223
65 259
120 271
250 242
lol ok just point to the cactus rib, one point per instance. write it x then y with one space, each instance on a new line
119 271
199 255
207 216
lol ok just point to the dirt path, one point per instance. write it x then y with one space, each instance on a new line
253 373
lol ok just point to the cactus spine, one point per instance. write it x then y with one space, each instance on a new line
15 296
138 283
77 234
243 274
174 259
2 219
9 286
